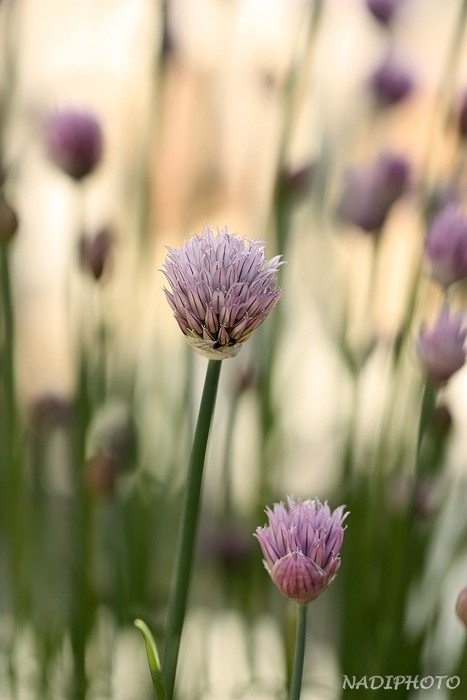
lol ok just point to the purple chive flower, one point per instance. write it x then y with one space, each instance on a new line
94 252
301 546
461 606
441 348
391 82
446 246
370 191
461 115
222 289
383 11
74 141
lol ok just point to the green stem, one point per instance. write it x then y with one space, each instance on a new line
187 540
299 657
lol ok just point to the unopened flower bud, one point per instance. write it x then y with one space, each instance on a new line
8 221
94 252
446 246
441 348
74 141
391 83
461 606
301 546
383 11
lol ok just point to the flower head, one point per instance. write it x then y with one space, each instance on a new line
301 546
442 347
370 191
446 246
222 289
383 11
391 82
461 606
74 142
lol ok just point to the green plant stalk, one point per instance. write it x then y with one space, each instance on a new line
187 537
153 659
299 656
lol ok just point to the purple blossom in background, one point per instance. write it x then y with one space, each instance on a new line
391 83
441 348
446 246
74 141
222 290
461 606
94 252
383 11
462 116
301 546
370 191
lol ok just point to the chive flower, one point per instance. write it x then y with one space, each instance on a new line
446 246
222 289
301 546
370 191
73 140
441 348
391 82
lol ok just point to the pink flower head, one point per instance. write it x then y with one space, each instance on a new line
370 191
222 289
74 142
442 347
446 246
301 546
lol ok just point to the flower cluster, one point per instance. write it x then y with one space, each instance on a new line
442 347
301 546
222 289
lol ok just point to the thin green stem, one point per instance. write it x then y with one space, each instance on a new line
299 657
187 538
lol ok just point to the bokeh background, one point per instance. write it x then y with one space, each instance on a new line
248 114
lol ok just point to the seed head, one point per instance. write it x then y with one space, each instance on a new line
222 289
74 142
301 546
442 347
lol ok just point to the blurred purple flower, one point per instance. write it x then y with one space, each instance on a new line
74 141
370 191
94 252
383 11
8 221
461 606
462 116
301 546
441 348
222 290
391 82
446 246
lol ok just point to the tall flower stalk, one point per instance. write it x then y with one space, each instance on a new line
301 546
222 289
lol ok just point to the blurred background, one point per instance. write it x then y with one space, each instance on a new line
282 120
